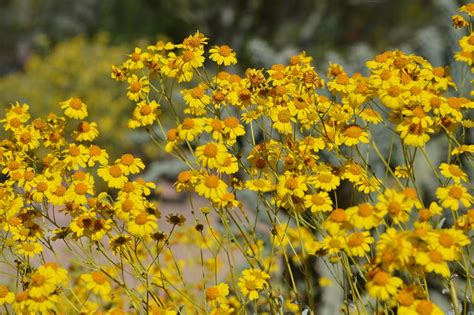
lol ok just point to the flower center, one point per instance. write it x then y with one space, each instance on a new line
3 291
436 256
381 278
317 200
455 192
338 216
141 218
135 87
424 307
127 159
365 210
76 103
231 122
94 150
188 123
210 150
145 109
225 51
212 293
81 189
394 91
446 240
212 181
325 178
98 277
115 171
38 280
355 239
394 208
353 131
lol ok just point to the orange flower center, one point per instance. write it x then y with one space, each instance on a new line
355 239
38 280
145 110
14 221
436 256
28 247
394 208
455 192
13 165
141 218
3 291
81 189
446 240
342 79
80 175
225 51
127 159
84 126
188 123
317 200
212 181
94 150
197 93
405 298
365 210
212 293
188 56
172 134
184 176
127 205
438 71
98 277
471 40
26 137
425 215
291 183
210 150
218 96
455 170
29 175
135 57
381 278
135 87
115 171
74 151
42 187
231 122
75 103
353 131
60 191
394 91
334 243
21 296
424 307
385 75
325 178
338 216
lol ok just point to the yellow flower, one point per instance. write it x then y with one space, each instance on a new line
113 175
325 180
319 201
395 204
29 248
86 131
260 184
451 196
190 128
353 135
383 285
144 114
222 55
291 184
420 307
6 296
448 242
74 108
217 293
365 216
130 164
282 119
433 261
211 187
142 224
453 171
96 155
138 89
252 282
97 283
211 155
358 243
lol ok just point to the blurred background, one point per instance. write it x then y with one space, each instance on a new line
53 49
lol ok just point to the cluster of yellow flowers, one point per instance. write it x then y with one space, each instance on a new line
275 137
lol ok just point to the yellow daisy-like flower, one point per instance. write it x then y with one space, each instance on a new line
451 196
86 131
138 88
365 216
6 296
358 243
142 224
260 184
223 55
353 135
97 283
448 242
211 187
454 172
325 180
211 155
433 261
291 184
29 249
252 282
420 307
74 108
113 175
318 202
217 293
190 128
395 204
130 164
144 114
282 120
383 285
